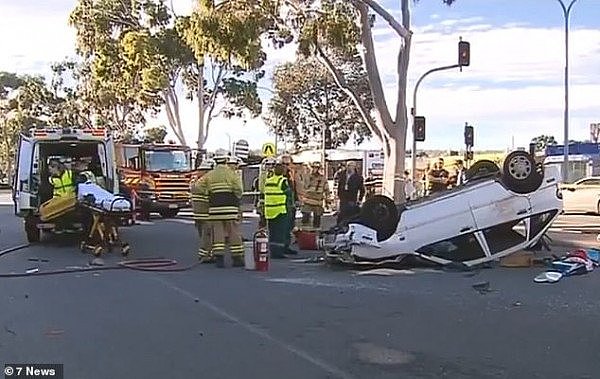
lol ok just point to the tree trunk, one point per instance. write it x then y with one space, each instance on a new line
200 96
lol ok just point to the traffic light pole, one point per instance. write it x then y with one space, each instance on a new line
414 114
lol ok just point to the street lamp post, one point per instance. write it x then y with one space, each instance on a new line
414 114
566 13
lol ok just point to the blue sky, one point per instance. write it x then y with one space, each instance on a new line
513 88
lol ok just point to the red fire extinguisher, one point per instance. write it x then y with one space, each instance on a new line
261 250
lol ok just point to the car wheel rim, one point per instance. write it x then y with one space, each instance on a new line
519 168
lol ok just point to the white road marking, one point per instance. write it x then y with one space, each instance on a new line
259 332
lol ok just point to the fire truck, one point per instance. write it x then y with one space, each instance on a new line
157 176
31 185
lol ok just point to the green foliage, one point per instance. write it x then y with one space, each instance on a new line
307 100
155 134
25 102
541 142
130 50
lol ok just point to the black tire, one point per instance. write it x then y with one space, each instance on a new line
31 230
380 213
481 169
521 174
169 213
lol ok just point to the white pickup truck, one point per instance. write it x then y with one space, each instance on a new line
491 216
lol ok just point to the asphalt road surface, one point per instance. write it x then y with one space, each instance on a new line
296 321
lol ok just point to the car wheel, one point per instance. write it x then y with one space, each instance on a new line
520 173
380 214
482 168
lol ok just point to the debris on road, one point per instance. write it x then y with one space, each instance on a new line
97 262
386 272
482 287
10 331
54 332
576 262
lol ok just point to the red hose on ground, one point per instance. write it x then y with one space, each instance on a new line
144 264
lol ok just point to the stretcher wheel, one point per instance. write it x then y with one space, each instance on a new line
98 250
125 249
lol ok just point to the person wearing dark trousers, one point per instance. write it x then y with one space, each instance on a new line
350 191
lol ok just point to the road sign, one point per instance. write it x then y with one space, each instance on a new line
241 149
269 150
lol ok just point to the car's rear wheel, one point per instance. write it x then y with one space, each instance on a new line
481 169
380 213
521 173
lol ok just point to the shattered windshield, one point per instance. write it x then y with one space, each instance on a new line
174 160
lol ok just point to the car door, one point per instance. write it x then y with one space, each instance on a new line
437 219
112 182
22 193
492 204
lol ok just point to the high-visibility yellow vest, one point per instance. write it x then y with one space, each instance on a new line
275 198
63 185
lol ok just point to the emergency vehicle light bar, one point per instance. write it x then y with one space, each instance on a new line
68 132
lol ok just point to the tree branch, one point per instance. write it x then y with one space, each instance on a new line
370 62
402 31
402 65
341 82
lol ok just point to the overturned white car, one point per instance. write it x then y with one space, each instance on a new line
496 213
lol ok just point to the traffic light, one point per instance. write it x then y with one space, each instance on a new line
328 142
464 53
419 128
469 135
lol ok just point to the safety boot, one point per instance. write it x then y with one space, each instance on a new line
206 259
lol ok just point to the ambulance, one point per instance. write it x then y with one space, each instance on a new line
31 182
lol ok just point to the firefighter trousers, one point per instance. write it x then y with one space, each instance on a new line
316 212
205 232
227 231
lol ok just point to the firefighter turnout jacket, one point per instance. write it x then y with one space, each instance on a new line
224 189
199 193
316 190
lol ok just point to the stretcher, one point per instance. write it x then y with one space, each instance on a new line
105 212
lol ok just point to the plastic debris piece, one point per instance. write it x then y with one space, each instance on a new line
97 262
386 272
482 287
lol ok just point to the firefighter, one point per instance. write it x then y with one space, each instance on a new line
62 179
315 194
277 193
266 172
293 201
199 193
224 189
